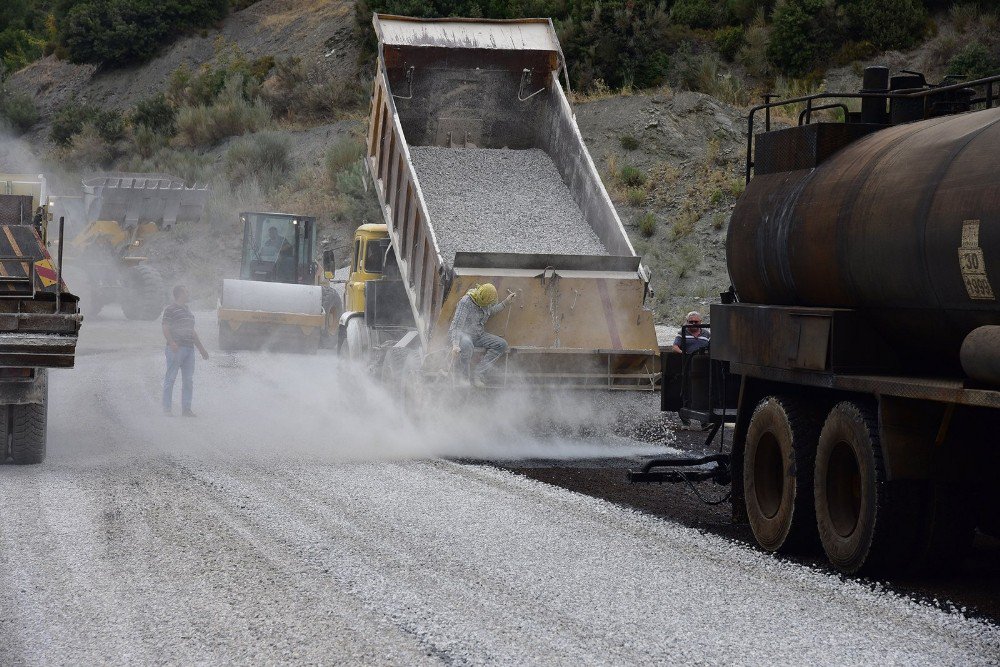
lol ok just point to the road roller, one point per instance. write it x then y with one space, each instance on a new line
857 352
282 299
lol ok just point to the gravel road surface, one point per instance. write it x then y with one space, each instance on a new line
281 526
500 200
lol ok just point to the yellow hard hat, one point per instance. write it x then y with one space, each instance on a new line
484 295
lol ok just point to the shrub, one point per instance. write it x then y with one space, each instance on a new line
718 221
753 54
801 31
128 31
88 149
715 198
888 24
974 61
342 156
147 141
699 13
629 142
18 110
229 116
69 120
109 125
684 223
729 41
632 176
155 114
647 224
635 196
264 156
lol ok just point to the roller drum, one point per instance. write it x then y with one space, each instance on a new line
265 297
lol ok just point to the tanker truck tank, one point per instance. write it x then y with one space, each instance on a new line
902 224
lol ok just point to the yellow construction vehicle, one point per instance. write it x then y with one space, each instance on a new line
281 300
116 216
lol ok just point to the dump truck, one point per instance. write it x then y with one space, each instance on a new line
39 317
117 216
482 176
281 301
862 331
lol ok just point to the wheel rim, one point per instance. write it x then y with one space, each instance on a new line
843 489
768 475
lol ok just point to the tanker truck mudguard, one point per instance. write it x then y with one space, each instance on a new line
39 318
483 176
863 329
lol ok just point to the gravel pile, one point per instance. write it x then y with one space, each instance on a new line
500 200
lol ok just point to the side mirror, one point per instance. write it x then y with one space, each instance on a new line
329 261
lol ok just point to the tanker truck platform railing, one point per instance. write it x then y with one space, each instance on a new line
904 105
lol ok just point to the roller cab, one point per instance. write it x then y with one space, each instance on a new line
277 302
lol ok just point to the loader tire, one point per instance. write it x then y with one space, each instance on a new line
92 299
26 426
778 465
145 294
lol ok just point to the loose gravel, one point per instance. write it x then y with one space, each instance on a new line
146 539
500 200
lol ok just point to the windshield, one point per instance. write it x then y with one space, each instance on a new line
375 255
276 248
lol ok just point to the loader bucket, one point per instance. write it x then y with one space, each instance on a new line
130 199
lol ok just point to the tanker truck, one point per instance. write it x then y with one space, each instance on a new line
482 176
862 329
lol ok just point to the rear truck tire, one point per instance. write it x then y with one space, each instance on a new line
778 463
26 427
357 340
145 294
861 523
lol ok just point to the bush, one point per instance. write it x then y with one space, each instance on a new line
632 177
699 13
343 155
229 116
801 32
69 120
888 24
263 156
753 54
629 142
647 224
110 125
729 40
635 196
974 61
128 31
88 149
155 114
18 110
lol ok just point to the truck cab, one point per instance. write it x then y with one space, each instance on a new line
367 263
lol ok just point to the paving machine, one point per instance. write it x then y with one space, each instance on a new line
39 318
278 302
120 213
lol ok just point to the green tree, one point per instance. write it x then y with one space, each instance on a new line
888 24
801 32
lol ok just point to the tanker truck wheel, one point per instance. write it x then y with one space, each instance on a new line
25 426
858 520
145 294
778 465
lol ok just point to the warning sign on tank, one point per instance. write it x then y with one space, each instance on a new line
970 259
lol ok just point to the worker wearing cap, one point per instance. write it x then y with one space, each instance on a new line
467 330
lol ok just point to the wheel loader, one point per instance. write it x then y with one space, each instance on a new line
282 300
119 214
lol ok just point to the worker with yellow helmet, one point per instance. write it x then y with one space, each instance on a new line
467 331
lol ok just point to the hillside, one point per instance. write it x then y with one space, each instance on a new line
269 107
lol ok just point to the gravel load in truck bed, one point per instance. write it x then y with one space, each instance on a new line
501 200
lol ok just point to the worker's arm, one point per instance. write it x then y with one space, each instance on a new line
170 339
676 349
201 348
499 305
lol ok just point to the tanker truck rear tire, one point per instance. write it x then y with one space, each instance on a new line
145 293
778 465
857 518
26 428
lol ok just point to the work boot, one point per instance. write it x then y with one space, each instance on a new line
188 413
479 382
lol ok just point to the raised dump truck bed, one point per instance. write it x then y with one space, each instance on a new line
470 126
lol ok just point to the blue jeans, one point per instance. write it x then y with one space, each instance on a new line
182 360
495 348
